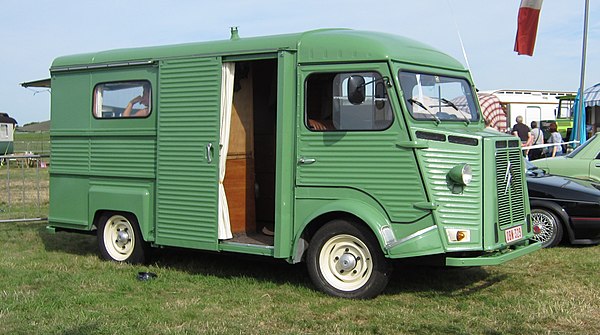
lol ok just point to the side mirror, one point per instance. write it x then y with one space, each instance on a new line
356 90
380 95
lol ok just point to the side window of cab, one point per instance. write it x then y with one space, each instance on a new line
130 99
347 102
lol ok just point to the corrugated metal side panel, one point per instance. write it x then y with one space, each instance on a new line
70 154
366 161
189 91
123 156
458 209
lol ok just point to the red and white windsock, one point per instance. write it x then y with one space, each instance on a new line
529 15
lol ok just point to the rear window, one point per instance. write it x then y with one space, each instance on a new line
130 99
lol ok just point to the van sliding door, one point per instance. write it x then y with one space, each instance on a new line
188 152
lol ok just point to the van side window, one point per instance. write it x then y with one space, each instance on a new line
330 106
122 100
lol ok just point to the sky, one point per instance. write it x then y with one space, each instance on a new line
33 33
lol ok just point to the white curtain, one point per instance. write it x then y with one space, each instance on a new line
228 73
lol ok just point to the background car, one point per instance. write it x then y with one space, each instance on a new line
583 162
563 207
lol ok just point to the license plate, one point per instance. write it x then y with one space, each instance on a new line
513 234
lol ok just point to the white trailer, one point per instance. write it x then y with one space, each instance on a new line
7 130
532 105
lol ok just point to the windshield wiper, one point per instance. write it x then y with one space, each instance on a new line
420 104
451 104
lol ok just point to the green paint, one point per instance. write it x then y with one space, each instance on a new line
395 180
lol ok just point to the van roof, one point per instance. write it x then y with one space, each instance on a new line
316 46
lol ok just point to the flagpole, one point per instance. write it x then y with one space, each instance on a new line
581 107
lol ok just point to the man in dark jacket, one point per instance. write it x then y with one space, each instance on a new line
522 132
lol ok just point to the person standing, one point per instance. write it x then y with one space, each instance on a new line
523 133
538 138
555 138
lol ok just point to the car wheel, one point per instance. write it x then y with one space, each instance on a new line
547 228
345 260
120 239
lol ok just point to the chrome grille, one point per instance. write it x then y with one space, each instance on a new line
511 207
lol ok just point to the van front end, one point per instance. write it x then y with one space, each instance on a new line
506 226
479 202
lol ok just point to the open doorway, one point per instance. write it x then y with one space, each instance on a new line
250 170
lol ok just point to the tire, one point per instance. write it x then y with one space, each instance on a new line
120 239
547 227
345 260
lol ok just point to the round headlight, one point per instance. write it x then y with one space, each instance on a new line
467 174
461 174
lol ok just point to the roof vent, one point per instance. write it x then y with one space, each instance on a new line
234 34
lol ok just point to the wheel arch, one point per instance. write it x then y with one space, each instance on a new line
135 201
356 211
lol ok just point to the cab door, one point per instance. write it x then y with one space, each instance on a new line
357 145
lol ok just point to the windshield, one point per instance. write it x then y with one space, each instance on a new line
579 148
439 98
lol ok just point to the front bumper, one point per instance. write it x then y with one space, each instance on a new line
497 257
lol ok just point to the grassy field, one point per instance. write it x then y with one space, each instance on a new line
56 284
36 142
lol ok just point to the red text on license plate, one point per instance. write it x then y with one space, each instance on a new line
513 234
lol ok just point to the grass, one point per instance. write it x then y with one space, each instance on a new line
56 284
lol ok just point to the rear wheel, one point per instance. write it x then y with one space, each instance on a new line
345 260
120 239
547 228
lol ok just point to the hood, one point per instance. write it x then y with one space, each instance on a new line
564 188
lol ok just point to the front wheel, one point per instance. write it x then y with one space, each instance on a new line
344 259
547 228
120 239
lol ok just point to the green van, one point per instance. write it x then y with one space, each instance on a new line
342 149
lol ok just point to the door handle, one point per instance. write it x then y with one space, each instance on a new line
412 145
209 153
306 161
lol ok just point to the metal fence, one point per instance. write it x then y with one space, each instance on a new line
40 147
24 184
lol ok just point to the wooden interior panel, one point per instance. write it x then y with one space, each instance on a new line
239 189
239 174
241 137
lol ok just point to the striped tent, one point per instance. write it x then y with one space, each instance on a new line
591 96
492 110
